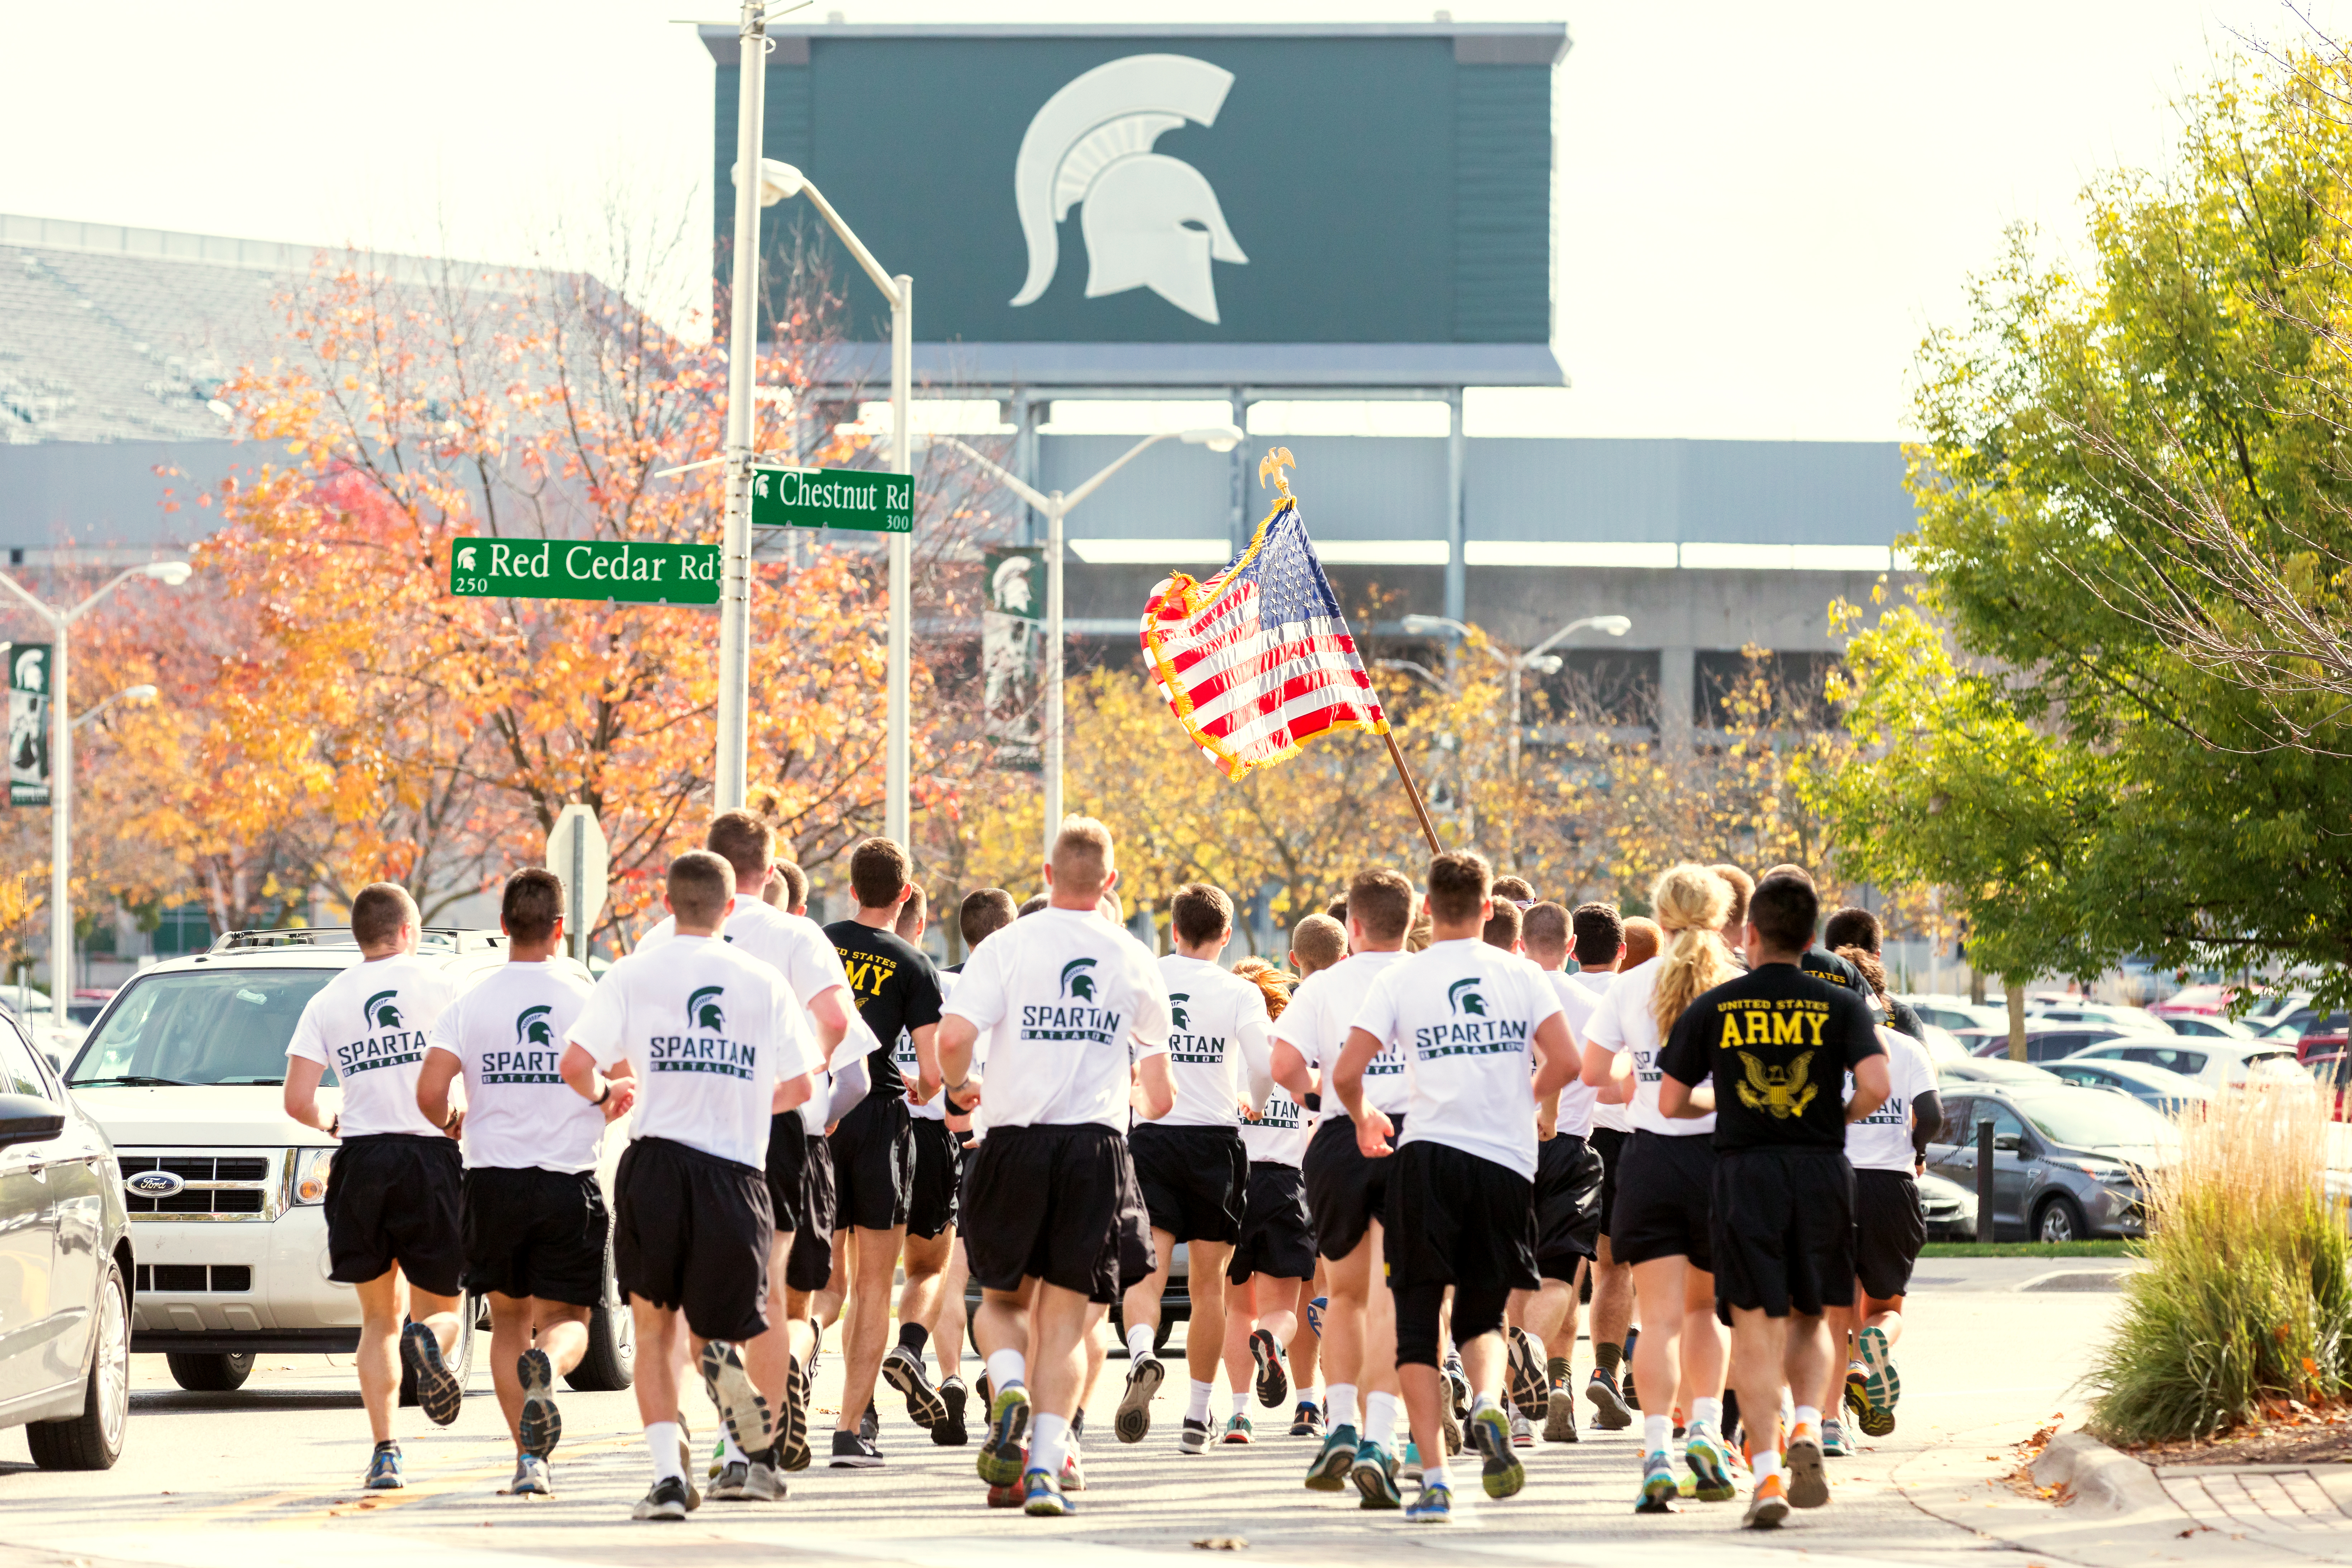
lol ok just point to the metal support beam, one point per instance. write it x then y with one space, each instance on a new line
1457 452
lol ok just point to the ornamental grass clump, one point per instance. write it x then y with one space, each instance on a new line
2245 1308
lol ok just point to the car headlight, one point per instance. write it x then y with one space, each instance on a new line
310 1168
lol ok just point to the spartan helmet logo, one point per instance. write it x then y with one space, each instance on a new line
703 1011
1464 994
382 1010
1176 1012
532 1027
1150 221
1010 587
1077 981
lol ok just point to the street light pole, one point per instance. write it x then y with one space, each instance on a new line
171 574
743 353
1058 507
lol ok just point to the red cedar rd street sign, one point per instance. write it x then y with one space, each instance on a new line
584 569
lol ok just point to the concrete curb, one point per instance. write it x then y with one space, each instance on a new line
2099 1477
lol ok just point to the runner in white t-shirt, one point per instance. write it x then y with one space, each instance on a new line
1599 950
718 1045
1063 996
395 1191
536 1226
1885 1149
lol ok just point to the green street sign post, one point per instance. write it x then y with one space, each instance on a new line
861 499
630 572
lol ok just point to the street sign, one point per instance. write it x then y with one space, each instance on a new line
577 851
28 723
862 499
630 572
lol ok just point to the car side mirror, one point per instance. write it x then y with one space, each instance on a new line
28 1118
2007 1143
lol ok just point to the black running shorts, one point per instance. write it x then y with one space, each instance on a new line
931 1207
1139 1254
1456 1218
809 1266
692 1233
1345 1192
534 1233
1664 1187
1277 1238
788 1147
1609 1144
874 1164
1783 1230
1194 1179
397 1198
1888 1231
1568 1205
1046 1201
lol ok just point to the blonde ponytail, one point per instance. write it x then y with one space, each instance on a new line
1690 903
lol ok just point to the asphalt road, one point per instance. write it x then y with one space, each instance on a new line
268 1478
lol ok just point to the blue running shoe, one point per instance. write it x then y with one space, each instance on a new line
1833 1440
1503 1474
1042 1496
1375 1475
383 1470
1710 1477
1002 1453
1433 1506
1659 1493
1315 1311
1409 1460
1328 1472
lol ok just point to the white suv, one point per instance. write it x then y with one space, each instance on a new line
185 1071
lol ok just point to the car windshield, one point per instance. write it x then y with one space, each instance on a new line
2097 1121
217 1026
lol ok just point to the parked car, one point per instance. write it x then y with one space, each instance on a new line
2066 1160
2108 1014
1993 1069
1956 1012
2200 1026
2048 1042
66 1269
2217 1064
2334 1074
2153 1086
186 1071
2197 1001
2322 1034
1949 1208
85 1005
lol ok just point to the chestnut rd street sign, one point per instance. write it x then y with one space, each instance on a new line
584 569
862 499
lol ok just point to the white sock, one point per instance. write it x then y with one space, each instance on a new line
1379 1419
1007 1368
1765 1464
1809 1416
1046 1434
1656 1432
661 1442
1435 1475
731 1454
1482 1401
1197 1408
1706 1413
1138 1343
1339 1404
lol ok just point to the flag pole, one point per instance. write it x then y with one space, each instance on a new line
1413 792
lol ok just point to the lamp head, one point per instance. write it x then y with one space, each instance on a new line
142 693
779 181
1615 625
1425 626
1545 664
1216 437
171 574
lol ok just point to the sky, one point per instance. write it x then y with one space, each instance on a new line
1762 209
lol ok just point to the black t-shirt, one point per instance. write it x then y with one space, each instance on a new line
1819 960
896 987
1777 1042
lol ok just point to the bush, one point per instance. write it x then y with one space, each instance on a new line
2246 1302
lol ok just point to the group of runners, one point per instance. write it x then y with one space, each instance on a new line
1398 1169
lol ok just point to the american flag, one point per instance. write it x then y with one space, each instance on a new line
1258 660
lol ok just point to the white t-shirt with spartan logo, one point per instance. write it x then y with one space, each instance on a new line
1317 1021
507 1034
1058 998
1217 1042
1464 1014
710 1031
369 1024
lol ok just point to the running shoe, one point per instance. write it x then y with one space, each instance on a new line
529 1478
1710 1479
1880 1385
542 1424
1074 1470
1001 1456
1133 1422
1433 1506
987 1391
1457 1389
1452 1422
1307 1421
754 1480
1009 1494
437 1388
1613 1412
1273 1380
1409 1461
383 1470
740 1404
1632 1396
1527 1389
1041 1496
792 1445
1503 1474
686 1466
854 1451
869 1425
1523 1431
1560 1415
666 1504
1328 1470
949 1433
1660 1492
903 1369
1833 1442
1374 1473
1767 1505
1809 1479
1238 1429
1194 1438
1315 1308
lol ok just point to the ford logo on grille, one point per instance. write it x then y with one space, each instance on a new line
154 1185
